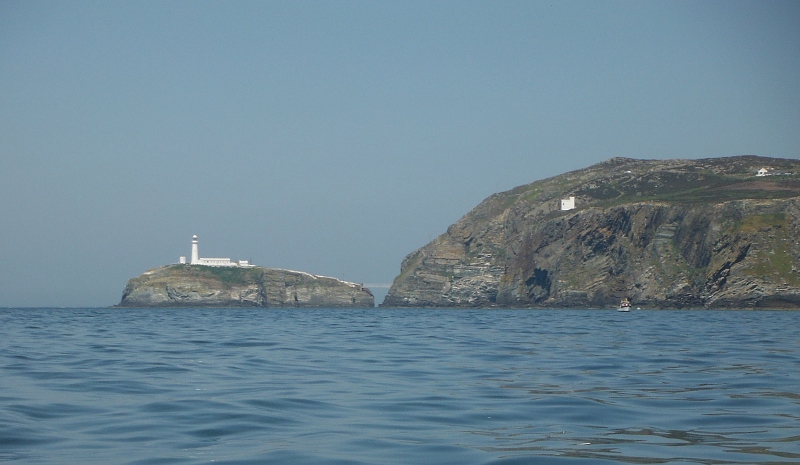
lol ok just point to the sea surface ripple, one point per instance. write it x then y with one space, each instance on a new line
390 386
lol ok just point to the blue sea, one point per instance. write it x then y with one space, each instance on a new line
398 386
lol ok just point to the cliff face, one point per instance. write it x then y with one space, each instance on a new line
666 234
204 286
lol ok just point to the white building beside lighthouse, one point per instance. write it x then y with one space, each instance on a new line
197 260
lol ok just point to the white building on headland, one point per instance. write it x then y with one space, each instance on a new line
196 260
568 204
763 172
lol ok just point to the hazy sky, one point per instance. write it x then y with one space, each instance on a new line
335 137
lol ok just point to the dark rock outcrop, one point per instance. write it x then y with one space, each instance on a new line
664 233
205 286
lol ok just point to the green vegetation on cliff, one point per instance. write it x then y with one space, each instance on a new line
229 275
623 180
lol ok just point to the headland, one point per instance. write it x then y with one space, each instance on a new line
711 233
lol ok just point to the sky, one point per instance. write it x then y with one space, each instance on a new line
336 137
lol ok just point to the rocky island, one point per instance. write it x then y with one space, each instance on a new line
186 285
710 233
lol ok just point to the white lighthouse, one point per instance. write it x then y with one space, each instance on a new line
195 254
196 260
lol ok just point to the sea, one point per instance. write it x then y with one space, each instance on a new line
398 386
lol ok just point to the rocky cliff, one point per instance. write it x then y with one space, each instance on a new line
665 233
205 286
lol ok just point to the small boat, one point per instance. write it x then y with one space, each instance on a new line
625 305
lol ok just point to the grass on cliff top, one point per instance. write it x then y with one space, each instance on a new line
689 188
227 275
701 195
244 276
619 181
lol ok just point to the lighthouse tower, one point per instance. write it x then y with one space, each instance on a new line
195 255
